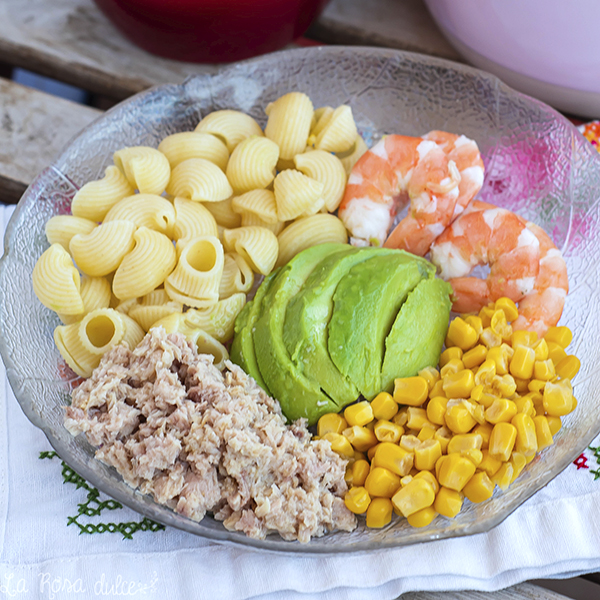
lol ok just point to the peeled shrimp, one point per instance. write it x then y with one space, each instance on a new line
396 170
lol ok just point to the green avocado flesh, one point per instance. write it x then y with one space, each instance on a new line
417 336
366 303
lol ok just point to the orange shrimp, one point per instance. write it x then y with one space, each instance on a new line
398 169
487 235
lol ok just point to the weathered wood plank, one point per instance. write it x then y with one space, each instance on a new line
34 127
523 591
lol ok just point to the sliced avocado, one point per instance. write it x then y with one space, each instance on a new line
298 395
307 318
418 333
366 303
242 348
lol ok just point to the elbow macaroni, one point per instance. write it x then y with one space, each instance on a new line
232 126
61 228
199 179
145 168
190 144
145 210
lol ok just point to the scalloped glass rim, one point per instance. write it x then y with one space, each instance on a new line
537 164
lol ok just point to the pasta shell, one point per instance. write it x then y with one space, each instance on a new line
217 320
237 276
199 179
251 220
252 164
60 229
193 219
190 144
146 315
102 329
296 194
350 157
339 132
145 210
146 169
95 293
327 169
257 245
232 126
223 213
258 202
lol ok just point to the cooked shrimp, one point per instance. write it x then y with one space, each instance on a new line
487 235
397 169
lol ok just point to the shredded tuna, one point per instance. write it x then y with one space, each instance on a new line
200 440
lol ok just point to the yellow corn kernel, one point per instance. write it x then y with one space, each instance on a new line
383 406
475 322
452 366
504 385
359 455
437 389
485 373
461 334
477 392
544 370
401 417
504 476
501 411
429 477
522 385
508 307
538 402
475 356
559 335
340 444
381 482
558 398
568 367
500 356
443 435
361 438
422 517
357 500
448 502
554 423
525 406
359 414
454 352
474 455
357 472
371 452
499 325
438 465
502 441
521 364
485 314
465 441
489 338
331 423
379 513
409 442
536 385
426 454
459 385
487 398
541 349
414 496
427 432
542 432
370 425
523 338
485 431
518 462
479 487
405 480
455 471
489 464
430 374
556 352
436 409
526 442
393 458
386 431
417 418
411 391
458 418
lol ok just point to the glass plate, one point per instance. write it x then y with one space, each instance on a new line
537 164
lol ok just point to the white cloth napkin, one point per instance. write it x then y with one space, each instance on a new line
555 534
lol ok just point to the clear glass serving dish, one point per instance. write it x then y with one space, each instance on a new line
537 164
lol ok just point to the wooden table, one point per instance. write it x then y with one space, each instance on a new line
71 41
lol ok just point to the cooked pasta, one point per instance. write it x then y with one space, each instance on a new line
147 315
147 265
217 320
56 281
68 342
95 293
329 170
145 210
223 213
96 198
232 126
260 203
252 164
125 306
199 179
237 276
296 195
146 169
289 122
339 131
101 251
193 219
307 232
350 157
155 298
196 278
102 329
257 245
61 228
321 118
190 144
251 220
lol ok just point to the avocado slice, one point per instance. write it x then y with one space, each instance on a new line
418 333
298 395
242 348
308 315
366 303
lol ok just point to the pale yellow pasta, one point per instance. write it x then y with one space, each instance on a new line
155 298
251 220
68 342
329 170
217 320
193 219
61 228
199 179
102 329
257 245
224 214
289 122
196 278
96 198
100 252
147 315
146 169
350 157
124 306
339 131
95 293
284 163
146 266
56 281
237 276
296 194
260 203
307 232
145 210
322 116
252 164
232 126
190 144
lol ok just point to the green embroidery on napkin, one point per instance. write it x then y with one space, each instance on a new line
596 451
93 507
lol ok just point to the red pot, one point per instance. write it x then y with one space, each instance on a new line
211 30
